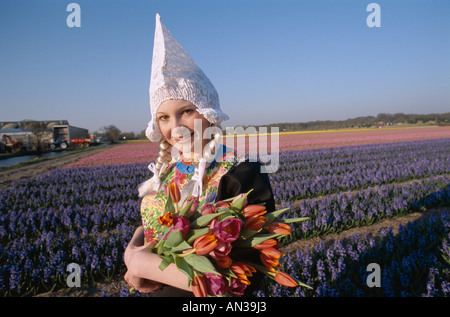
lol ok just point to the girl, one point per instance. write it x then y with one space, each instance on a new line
185 110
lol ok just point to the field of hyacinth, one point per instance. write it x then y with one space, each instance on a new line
87 214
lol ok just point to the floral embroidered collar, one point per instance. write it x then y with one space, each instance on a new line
189 168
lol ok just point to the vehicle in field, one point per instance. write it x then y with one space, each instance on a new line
64 136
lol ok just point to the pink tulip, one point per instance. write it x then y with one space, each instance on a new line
236 287
194 205
222 249
179 223
215 284
207 209
228 230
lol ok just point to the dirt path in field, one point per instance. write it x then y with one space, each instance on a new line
8 176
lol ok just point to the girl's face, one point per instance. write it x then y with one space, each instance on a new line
175 119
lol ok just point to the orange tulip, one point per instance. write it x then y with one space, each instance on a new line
174 192
255 222
285 280
272 253
224 262
278 227
166 219
270 243
242 271
222 204
270 262
254 210
205 243
198 286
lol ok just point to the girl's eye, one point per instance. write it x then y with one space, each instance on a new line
163 118
188 110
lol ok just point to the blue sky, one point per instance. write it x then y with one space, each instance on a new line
270 60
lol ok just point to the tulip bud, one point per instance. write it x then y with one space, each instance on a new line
285 280
269 243
254 210
194 206
255 223
174 192
244 202
278 227
198 286
272 252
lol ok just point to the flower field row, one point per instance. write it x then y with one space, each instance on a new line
337 212
310 173
86 215
414 262
145 152
325 139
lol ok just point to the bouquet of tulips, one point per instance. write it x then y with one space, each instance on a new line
200 241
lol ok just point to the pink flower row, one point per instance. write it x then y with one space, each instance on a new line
127 153
146 152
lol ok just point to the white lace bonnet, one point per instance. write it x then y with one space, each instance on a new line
175 75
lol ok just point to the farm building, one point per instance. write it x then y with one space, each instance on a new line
21 135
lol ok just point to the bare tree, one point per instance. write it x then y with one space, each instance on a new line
39 129
112 133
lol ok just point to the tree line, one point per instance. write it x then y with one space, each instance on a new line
381 120
113 134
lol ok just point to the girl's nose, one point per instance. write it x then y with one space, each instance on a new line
180 132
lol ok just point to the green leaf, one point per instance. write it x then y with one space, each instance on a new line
180 247
291 220
195 233
247 233
183 211
200 263
173 239
255 240
169 204
239 203
184 267
271 216
204 220
165 262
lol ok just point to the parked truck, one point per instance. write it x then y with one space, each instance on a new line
64 136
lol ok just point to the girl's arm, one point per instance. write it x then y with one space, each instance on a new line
143 271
